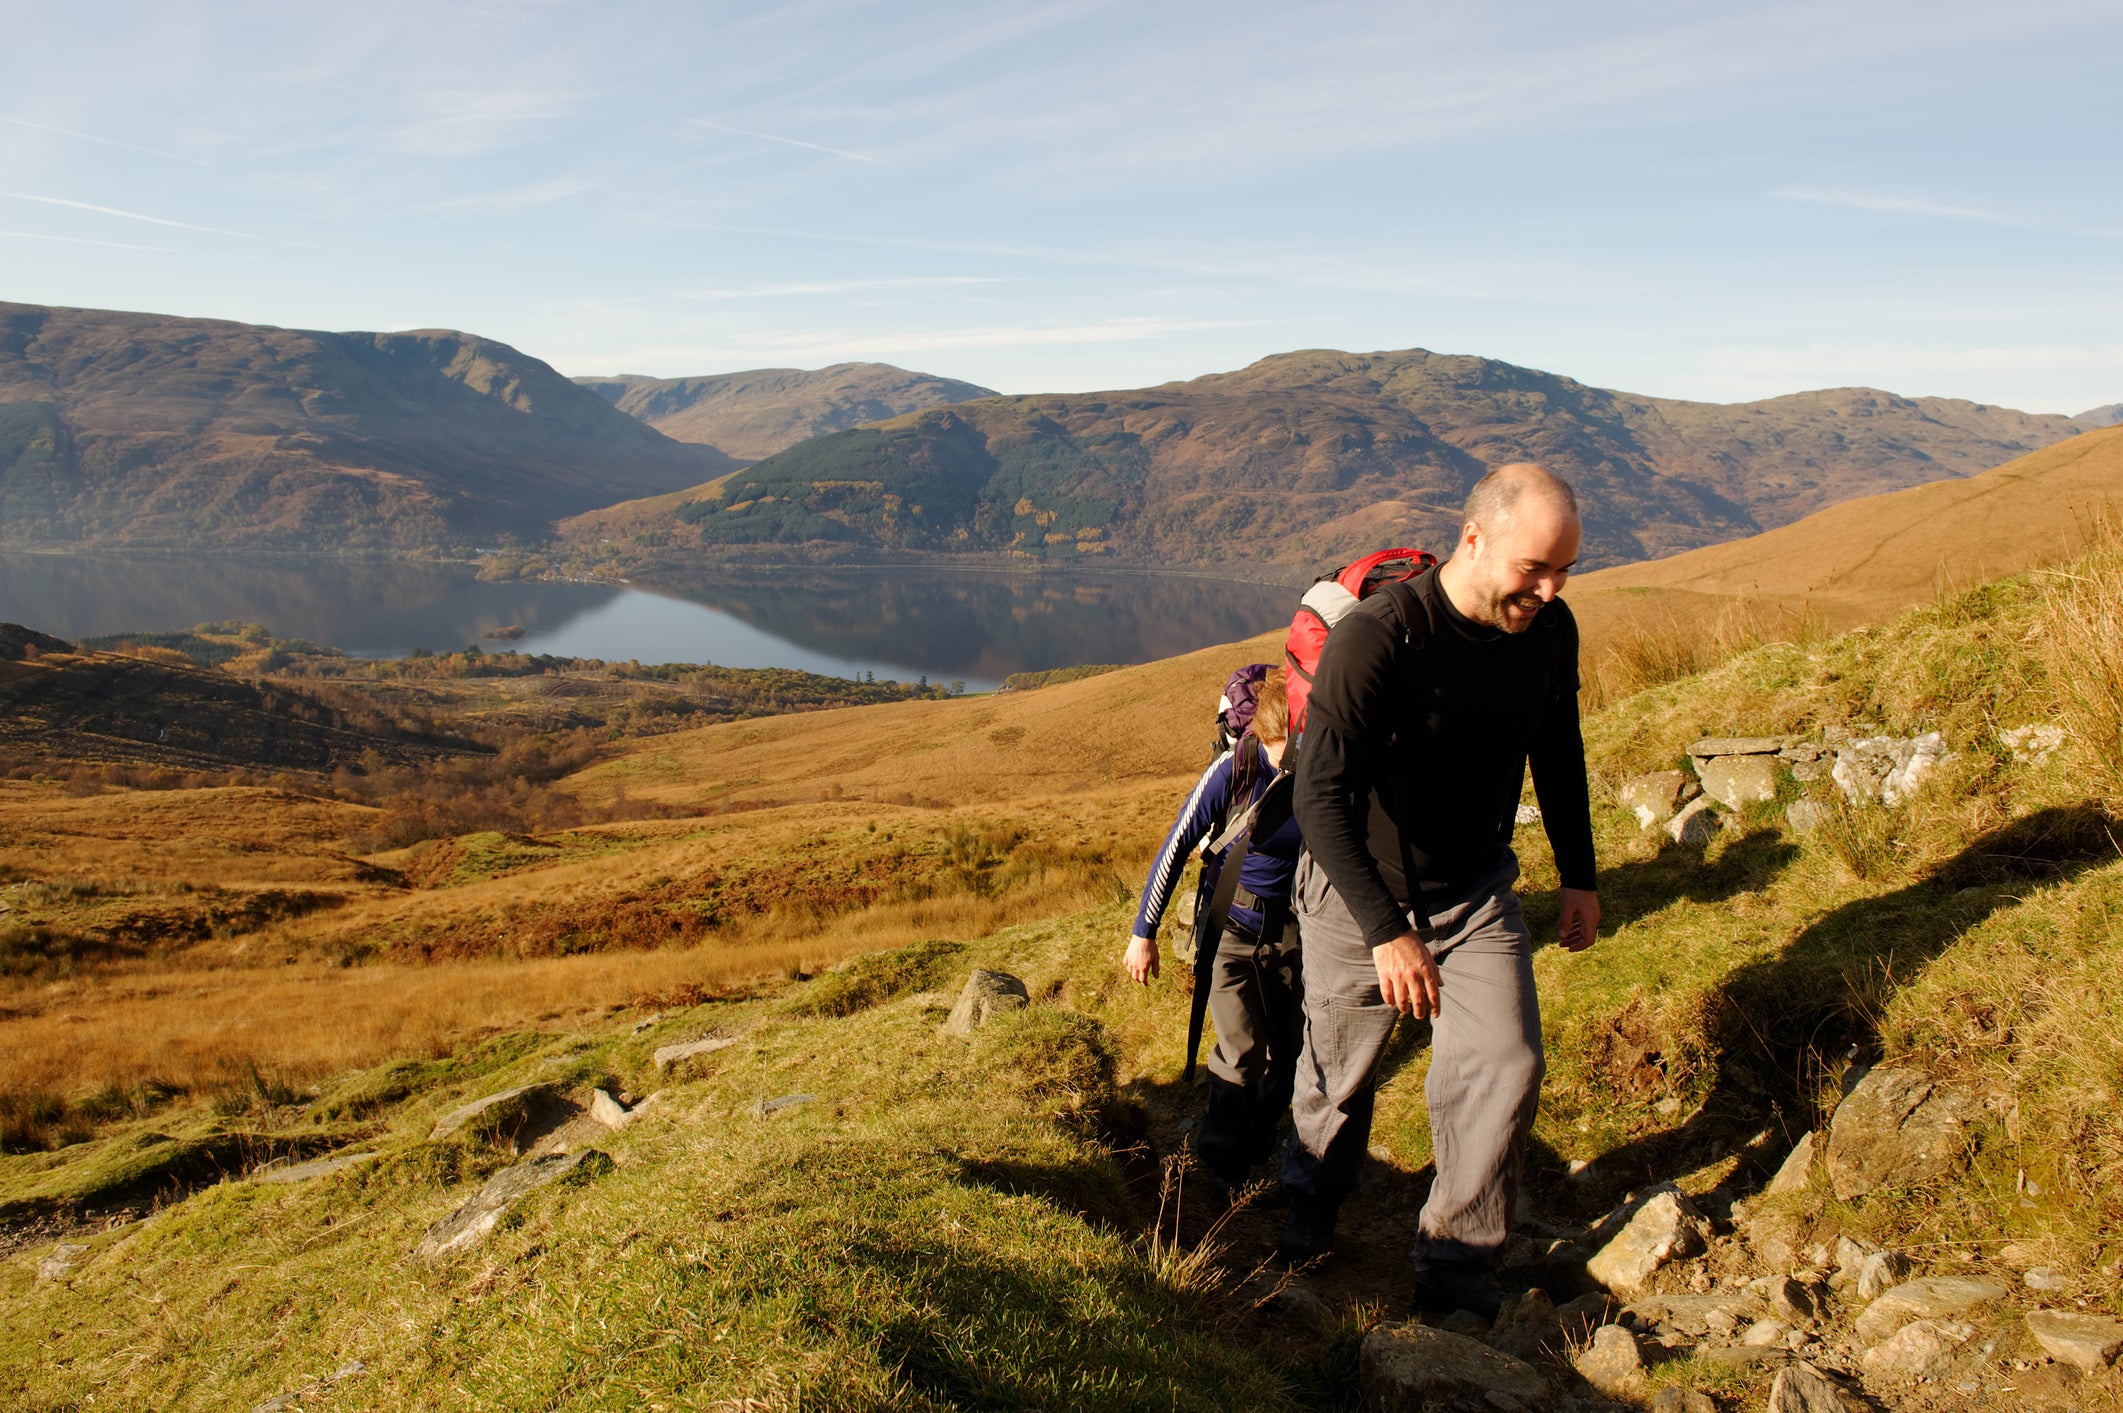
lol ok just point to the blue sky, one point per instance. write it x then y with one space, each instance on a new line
1718 201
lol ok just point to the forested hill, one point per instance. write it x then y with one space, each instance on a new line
1306 455
125 429
754 414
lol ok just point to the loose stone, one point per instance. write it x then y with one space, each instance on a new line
2087 1341
987 994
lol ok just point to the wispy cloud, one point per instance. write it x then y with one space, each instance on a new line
791 142
140 216
107 142
84 240
801 289
453 123
515 198
1896 205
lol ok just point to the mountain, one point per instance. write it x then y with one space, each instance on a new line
1865 560
755 414
2102 416
143 430
1304 457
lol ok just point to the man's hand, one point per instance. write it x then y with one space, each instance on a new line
1407 976
1580 925
1141 959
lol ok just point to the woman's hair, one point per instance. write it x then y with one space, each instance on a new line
1271 710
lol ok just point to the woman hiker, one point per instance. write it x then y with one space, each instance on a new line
1257 1001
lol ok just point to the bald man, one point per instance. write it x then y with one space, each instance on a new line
1431 700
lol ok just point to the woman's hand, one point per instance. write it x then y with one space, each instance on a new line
1141 959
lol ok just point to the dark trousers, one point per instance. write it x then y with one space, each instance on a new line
1257 1006
1485 1062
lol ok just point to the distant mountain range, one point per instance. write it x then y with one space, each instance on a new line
142 430
1306 456
137 430
2102 416
753 415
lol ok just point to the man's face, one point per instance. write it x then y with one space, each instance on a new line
1520 563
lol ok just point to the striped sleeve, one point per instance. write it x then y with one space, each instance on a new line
1198 817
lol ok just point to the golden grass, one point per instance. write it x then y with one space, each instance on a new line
2081 633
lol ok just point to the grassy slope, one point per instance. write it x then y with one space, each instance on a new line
1864 560
937 1228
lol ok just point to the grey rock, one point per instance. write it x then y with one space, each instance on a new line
1465 1322
1525 1325
496 1106
987 994
787 1101
1800 752
1887 769
1407 1368
321 1167
1711 746
2088 1341
1303 1308
1913 1351
472 1222
1699 1316
669 1055
1666 1228
1578 1318
1793 1301
1765 1334
2043 1278
1612 1363
1882 1272
1930 1298
1808 771
2031 745
290 1402
56 1265
1734 781
1657 796
607 1110
641 1025
1898 1128
1527 814
1742 1356
1801 1388
1851 1254
1807 816
1682 1400
1696 825
1796 1171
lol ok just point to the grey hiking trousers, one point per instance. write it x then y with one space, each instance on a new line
1485 1061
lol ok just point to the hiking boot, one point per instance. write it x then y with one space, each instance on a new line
1442 1287
1308 1234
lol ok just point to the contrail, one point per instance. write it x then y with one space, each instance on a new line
150 220
793 142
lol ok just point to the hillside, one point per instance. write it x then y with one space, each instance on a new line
752 415
1303 457
831 1202
139 430
2106 416
1865 560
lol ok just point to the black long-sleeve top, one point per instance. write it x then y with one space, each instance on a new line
1415 749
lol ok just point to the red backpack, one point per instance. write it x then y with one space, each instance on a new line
1327 602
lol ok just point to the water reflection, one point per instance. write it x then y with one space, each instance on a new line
903 623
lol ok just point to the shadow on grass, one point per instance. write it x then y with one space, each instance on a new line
1782 1022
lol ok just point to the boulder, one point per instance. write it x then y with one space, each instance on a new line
1807 816
1765 1334
1303 1308
1525 1325
1612 1363
2031 745
55 1265
1916 1349
1409 1367
1666 1228
987 994
1887 769
1682 1400
1801 1388
1931 1298
321 1167
1711 746
1882 1272
607 1110
503 1111
1734 781
2087 1341
669 1055
1701 1316
1578 1318
1797 1169
1898 1128
1794 1301
1696 825
472 1222
1658 796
